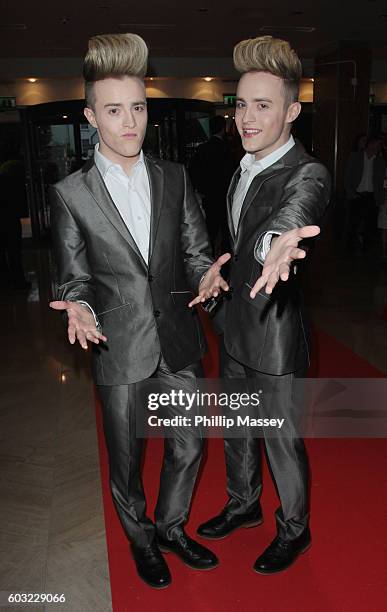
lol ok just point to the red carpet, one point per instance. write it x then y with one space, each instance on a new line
345 570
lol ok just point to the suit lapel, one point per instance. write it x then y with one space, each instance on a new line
256 185
95 185
291 158
156 183
230 197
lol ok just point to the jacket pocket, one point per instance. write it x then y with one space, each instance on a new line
103 312
261 299
182 298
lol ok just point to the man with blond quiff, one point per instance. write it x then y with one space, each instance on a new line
277 190
132 250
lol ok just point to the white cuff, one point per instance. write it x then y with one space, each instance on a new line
266 242
97 323
202 278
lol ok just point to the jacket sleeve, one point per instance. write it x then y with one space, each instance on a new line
75 281
194 237
304 200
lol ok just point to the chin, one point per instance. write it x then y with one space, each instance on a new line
251 147
131 151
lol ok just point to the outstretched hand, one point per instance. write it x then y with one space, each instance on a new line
213 282
81 325
282 253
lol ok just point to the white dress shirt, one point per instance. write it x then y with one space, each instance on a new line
131 195
250 168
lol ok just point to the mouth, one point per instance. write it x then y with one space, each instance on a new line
250 132
129 135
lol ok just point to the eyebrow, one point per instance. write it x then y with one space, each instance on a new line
118 104
255 100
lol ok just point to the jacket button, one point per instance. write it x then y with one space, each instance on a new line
150 278
235 257
157 313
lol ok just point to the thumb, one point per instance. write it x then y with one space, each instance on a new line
308 231
58 305
223 259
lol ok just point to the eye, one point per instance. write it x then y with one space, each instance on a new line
262 106
239 105
139 108
113 111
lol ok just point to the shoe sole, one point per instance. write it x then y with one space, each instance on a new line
304 550
247 525
167 550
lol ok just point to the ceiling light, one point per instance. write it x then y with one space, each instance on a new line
65 116
208 79
32 80
226 116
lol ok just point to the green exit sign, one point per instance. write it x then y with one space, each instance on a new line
229 99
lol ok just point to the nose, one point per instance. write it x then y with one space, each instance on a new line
129 119
248 116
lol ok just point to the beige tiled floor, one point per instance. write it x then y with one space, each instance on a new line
52 536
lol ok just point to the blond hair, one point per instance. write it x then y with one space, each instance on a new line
113 55
273 55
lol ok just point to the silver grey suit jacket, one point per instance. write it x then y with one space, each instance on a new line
269 334
142 307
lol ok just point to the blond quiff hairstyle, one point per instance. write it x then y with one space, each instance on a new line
273 55
113 55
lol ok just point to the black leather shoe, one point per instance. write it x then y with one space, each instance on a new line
280 554
222 525
151 566
190 552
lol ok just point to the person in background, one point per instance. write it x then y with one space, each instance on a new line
382 213
364 180
13 206
211 169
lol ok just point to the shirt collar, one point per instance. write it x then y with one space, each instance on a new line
104 164
248 162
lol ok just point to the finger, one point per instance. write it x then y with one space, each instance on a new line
223 259
308 231
71 332
92 336
81 338
194 301
284 270
261 282
59 305
297 254
271 282
224 285
95 336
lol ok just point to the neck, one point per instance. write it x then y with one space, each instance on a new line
126 163
280 142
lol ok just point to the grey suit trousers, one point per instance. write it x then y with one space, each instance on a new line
285 451
182 455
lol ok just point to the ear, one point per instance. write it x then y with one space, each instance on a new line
293 111
90 116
